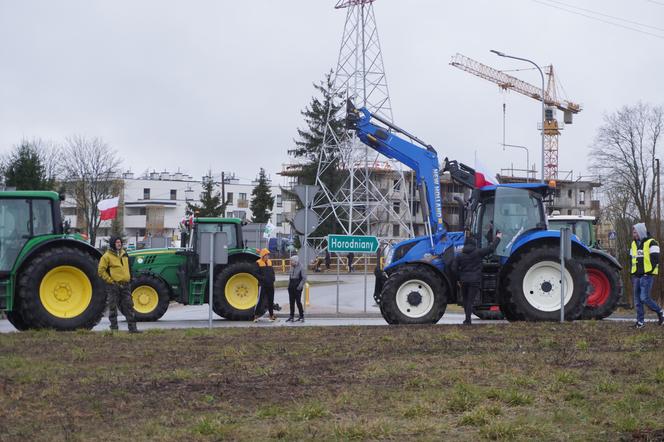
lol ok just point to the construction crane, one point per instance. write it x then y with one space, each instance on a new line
507 82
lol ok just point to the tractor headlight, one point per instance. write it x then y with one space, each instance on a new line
388 256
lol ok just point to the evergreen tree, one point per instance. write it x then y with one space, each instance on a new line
25 170
211 204
262 200
311 139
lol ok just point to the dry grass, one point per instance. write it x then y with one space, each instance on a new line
580 381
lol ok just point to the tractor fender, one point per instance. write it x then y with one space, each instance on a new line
611 259
243 256
62 241
444 275
530 239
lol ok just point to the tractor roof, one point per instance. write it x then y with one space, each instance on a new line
571 218
30 194
536 187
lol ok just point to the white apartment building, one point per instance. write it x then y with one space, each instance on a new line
153 205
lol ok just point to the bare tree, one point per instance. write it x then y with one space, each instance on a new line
623 154
90 171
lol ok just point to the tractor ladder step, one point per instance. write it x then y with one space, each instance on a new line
6 300
197 291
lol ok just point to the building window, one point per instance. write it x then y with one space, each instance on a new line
397 185
569 193
396 206
395 230
174 194
557 193
582 197
280 219
146 194
569 211
229 214
243 196
279 202
416 207
229 198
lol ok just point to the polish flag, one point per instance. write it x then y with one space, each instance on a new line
108 209
481 174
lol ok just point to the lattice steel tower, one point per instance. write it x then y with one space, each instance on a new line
373 198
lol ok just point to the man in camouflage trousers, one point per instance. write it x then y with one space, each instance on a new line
114 270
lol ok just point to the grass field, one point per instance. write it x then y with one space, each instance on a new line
579 381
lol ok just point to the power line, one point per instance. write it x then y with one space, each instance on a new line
607 15
599 19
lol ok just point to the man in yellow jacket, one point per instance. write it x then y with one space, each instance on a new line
114 270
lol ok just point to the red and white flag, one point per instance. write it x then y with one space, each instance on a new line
108 209
483 175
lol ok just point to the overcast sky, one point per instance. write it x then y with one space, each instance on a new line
220 84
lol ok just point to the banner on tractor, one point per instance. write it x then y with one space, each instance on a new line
108 209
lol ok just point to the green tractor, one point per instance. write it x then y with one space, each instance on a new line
48 278
160 276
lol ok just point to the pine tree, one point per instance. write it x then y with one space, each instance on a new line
311 139
262 200
211 204
24 169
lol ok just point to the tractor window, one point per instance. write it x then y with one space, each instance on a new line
42 217
486 233
229 228
516 211
14 230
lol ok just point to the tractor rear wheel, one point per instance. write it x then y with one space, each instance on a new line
533 283
236 292
413 294
59 288
487 315
150 296
606 288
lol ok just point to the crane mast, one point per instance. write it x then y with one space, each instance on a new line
508 82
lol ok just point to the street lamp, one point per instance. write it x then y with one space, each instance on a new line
502 54
527 157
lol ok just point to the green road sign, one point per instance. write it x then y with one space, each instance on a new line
352 243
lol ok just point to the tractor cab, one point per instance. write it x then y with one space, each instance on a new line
584 227
512 209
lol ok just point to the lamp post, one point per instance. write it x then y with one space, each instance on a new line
502 54
527 157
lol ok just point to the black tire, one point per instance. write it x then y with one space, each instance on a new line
520 304
238 302
17 321
604 277
80 264
424 288
489 315
152 283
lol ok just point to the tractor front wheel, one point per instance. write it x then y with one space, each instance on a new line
236 292
59 289
606 288
150 296
534 284
413 294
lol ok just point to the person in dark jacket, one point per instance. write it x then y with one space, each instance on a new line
296 280
266 281
468 268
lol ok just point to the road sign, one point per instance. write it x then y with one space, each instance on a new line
352 243
306 221
306 193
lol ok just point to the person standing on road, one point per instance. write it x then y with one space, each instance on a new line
351 257
296 279
328 260
645 265
468 267
114 270
266 281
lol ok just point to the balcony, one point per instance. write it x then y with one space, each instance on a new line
243 204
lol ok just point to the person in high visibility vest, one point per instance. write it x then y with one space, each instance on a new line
645 265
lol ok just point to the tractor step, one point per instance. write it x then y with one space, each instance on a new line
197 291
6 295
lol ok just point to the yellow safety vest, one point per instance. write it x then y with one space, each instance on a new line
647 264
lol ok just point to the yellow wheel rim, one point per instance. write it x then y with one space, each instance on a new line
145 299
65 291
242 291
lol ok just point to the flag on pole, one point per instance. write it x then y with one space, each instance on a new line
481 174
108 209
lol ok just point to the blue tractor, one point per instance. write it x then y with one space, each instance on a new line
523 277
